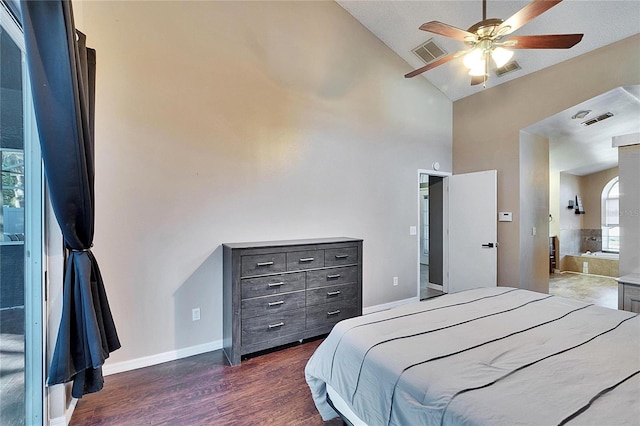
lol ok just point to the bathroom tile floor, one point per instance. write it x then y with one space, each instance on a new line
596 289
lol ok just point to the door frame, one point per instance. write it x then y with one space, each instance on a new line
445 228
34 268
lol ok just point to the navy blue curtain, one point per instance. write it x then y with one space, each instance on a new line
62 71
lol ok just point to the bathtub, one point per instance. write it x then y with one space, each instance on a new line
595 263
601 254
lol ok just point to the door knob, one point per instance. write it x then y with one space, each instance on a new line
488 245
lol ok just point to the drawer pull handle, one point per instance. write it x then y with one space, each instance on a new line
280 324
341 256
332 313
307 259
276 284
279 302
333 293
265 263
331 276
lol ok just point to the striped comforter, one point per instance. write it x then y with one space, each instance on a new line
490 356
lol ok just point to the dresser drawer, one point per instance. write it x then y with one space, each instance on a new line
329 314
341 256
261 264
261 329
344 294
271 304
265 286
309 259
332 276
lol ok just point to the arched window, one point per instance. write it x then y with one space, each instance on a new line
611 216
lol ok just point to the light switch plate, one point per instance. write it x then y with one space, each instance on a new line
413 230
505 217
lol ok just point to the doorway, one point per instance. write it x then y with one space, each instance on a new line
431 233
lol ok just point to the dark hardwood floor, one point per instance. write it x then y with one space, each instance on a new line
205 390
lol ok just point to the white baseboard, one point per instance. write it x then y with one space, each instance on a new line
386 306
66 419
147 361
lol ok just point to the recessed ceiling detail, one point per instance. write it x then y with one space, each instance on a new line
429 51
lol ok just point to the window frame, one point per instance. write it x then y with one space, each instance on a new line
608 227
34 230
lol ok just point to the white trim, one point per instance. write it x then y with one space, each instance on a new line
444 225
35 318
625 140
390 305
150 360
66 419
12 28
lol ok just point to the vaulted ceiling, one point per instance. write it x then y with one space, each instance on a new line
574 148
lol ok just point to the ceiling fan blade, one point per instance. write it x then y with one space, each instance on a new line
526 14
433 64
446 30
477 79
550 41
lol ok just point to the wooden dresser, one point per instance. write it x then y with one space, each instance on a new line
279 292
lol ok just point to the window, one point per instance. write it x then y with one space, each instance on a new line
21 234
611 216
12 219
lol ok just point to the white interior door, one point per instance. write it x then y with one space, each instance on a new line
473 230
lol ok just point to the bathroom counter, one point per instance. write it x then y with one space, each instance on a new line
629 293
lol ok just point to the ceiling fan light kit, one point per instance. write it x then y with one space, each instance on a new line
501 56
490 39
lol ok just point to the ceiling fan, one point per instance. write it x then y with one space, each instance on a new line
489 39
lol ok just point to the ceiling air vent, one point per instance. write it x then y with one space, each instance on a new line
510 67
429 51
596 119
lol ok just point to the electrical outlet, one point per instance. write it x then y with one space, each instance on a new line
395 281
195 314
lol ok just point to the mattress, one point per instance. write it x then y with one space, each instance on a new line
498 356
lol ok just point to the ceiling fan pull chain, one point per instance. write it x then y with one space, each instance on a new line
486 71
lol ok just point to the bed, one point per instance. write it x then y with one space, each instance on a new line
489 356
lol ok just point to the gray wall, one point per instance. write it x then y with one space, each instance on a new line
486 131
245 121
629 169
534 212
591 189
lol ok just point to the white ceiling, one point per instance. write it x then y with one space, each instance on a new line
396 24
573 148
581 150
